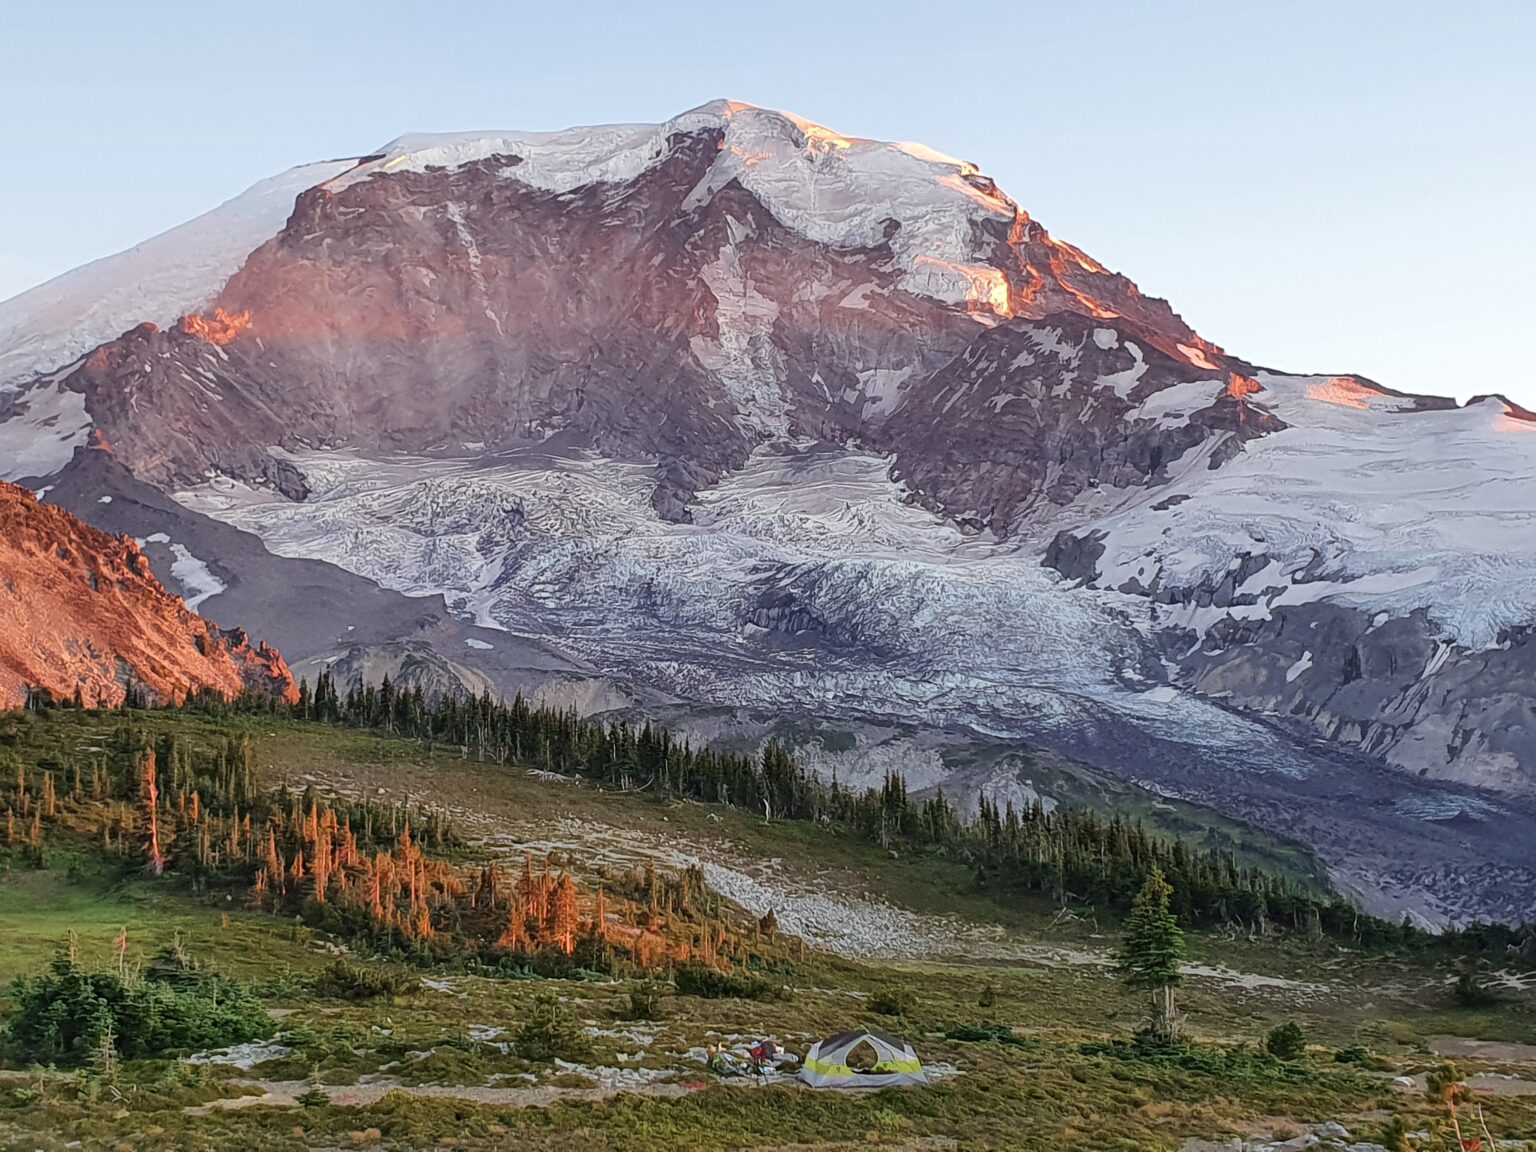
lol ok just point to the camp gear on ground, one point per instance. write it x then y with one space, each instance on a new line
722 1063
895 1063
761 1055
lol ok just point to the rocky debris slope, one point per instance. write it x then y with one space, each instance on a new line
81 613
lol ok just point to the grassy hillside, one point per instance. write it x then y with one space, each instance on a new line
1011 1005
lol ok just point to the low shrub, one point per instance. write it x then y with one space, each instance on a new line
986 1034
343 980
1287 1042
1236 1063
891 1002
70 1016
695 979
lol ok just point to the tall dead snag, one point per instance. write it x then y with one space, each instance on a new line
529 894
600 916
514 937
154 865
274 862
564 915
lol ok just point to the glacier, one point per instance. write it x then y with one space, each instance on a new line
794 572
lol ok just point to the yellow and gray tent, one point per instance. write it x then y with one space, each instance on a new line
826 1064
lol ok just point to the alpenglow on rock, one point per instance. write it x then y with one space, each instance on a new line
737 411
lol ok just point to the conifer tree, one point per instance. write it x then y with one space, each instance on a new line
1150 953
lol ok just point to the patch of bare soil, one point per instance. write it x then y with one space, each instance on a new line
286 1093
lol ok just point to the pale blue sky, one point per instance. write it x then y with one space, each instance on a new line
1343 186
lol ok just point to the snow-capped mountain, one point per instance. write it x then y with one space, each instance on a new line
738 411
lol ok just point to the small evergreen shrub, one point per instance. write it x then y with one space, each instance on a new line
70 1016
1395 1137
551 1032
312 1097
988 997
1443 1084
1470 992
644 1001
1287 1042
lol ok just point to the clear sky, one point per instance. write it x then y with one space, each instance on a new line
1339 186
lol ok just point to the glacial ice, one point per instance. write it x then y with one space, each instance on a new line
885 610
1360 500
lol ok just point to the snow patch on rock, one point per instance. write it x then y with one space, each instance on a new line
198 583
46 425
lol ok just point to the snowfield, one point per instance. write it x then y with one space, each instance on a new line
1361 500
45 427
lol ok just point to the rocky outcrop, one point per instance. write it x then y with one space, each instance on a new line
1395 688
1033 414
82 617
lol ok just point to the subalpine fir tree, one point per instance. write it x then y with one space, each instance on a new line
1151 951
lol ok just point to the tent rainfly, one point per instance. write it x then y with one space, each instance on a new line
826 1064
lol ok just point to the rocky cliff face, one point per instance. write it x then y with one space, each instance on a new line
675 315
737 410
81 613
